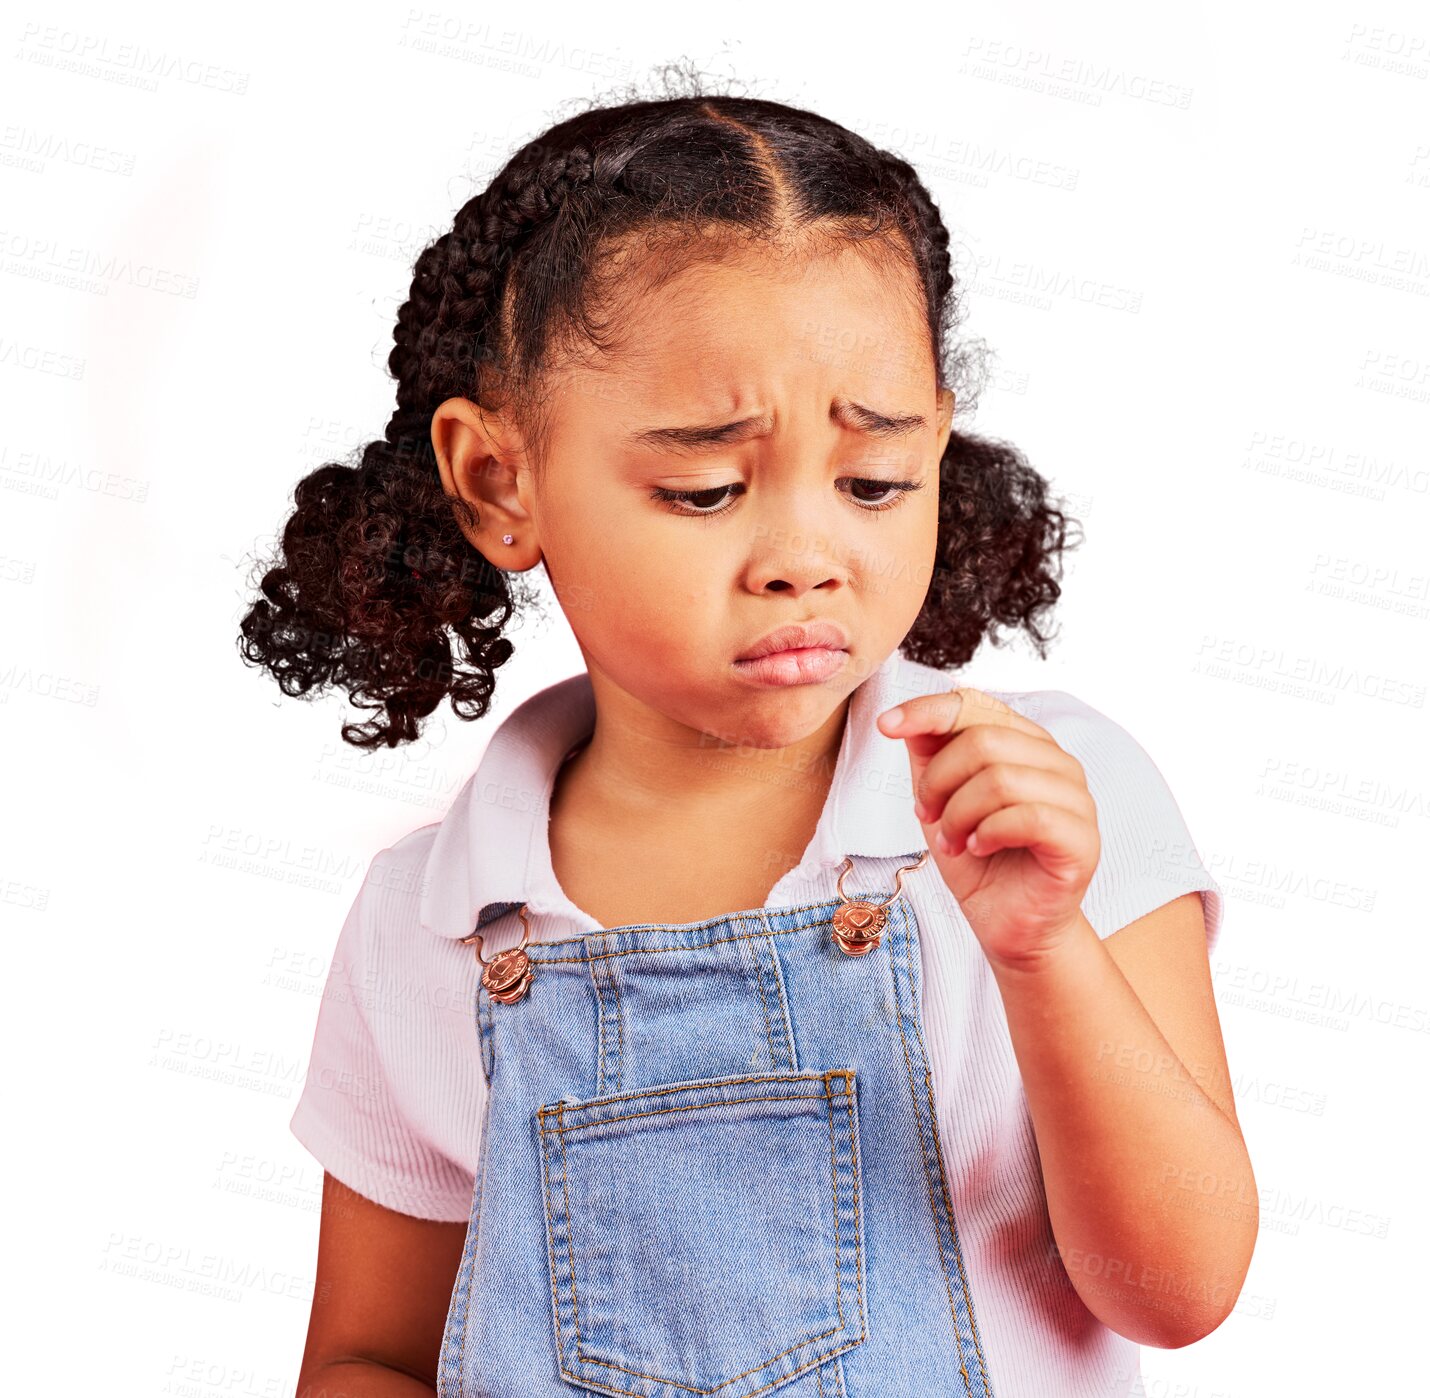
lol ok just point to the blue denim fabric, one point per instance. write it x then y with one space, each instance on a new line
710 1166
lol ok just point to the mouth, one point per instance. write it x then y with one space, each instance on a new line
806 665
804 635
807 653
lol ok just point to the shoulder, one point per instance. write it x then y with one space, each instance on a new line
1064 715
391 1103
388 906
1128 786
399 870
403 972
1117 767
1077 726
1111 757
1055 709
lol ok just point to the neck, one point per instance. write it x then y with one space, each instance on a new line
638 766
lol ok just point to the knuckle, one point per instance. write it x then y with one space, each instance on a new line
1003 780
970 700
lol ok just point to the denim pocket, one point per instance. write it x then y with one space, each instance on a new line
704 1237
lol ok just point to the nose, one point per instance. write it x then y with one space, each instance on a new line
794 560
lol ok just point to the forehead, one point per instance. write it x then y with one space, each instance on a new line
726 330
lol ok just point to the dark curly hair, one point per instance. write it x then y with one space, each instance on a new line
377 590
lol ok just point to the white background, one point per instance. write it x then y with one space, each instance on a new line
1209 321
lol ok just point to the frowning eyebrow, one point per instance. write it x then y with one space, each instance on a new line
847 413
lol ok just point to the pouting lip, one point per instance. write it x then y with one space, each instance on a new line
796 637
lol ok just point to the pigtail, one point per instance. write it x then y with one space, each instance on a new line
998 557
377 591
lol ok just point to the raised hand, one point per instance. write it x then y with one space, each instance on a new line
1007 815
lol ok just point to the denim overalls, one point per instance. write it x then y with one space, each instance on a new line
709 1166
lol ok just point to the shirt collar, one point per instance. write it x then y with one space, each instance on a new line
492 849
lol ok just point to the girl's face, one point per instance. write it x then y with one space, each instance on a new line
765 452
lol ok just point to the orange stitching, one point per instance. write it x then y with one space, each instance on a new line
828 1096
620 1028
828 904
947 1198
819 1379
602 1032
764 1004
636 1373
601 1029
570 1246
551 1244
854 1157
469 1248
928 1178
834 1179
559 1110
810 1077
763 1388
782 999
481 1212
693 1107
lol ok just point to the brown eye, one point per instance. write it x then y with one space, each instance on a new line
894 490
691 502
700 499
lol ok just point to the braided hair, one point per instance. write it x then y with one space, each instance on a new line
376 589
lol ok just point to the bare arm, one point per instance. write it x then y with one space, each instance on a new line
1149 1185
380 1297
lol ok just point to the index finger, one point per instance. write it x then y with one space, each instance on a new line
940 716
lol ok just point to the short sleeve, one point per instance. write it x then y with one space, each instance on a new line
349 1115
1148 857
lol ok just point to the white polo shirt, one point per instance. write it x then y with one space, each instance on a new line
392 1104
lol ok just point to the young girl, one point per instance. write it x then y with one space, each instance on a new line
769 1013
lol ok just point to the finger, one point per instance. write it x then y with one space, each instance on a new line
969 752
928 721
995 788
1055 836
942 715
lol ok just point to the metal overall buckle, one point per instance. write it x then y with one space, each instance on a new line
508 974
858 922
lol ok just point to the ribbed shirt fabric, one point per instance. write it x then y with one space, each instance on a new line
392 1103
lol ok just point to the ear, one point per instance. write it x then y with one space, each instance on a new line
945 418
480 456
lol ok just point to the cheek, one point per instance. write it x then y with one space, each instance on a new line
675 591
645 589
916 567
896 557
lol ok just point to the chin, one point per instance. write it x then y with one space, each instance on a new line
776 718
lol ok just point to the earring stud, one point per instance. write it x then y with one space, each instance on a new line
506 539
